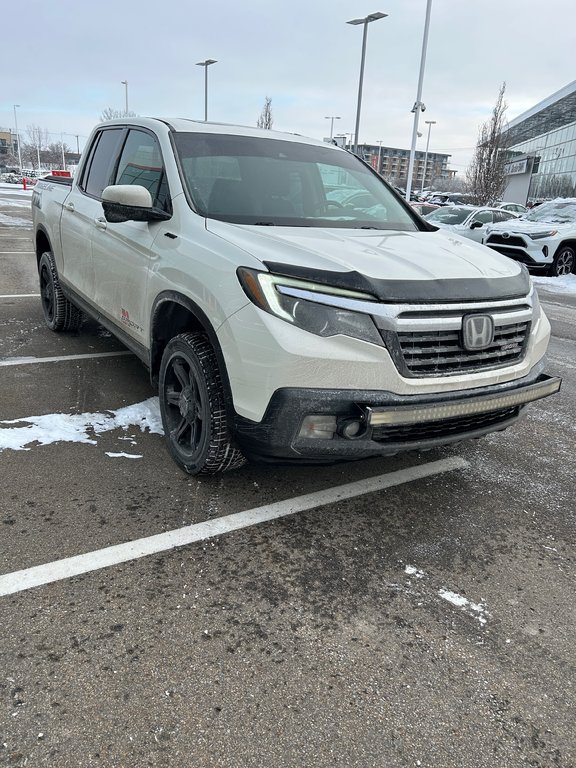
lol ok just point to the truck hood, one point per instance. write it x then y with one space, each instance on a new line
393 266
521 226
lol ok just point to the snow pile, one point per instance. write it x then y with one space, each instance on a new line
78 428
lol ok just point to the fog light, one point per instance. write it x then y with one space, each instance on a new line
351 429
318 426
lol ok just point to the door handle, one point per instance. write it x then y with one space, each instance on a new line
68 206
100 222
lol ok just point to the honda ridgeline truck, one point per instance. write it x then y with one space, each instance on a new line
289 305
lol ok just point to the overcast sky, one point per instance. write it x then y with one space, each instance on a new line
63 62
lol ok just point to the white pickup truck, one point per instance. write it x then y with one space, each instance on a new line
289 305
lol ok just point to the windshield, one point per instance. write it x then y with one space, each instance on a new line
270 182
450 215
555 212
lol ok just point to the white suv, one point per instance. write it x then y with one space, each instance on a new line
544 239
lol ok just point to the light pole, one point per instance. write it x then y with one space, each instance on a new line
206 64
18 138
429 123
379 155
332 118
418 105
125 84
365 21
63 156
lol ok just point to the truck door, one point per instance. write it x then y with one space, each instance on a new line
83 207
122 253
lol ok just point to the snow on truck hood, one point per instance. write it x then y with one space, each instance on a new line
527 227
393 265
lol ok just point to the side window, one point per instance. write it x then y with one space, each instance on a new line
101 164
484 217
141 163
503 215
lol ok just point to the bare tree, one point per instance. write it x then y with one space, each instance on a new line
485 175
52 155
33 146
113 114
265 120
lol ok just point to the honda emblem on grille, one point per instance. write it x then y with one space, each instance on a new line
477 332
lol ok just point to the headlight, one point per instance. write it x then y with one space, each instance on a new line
319 313
540 235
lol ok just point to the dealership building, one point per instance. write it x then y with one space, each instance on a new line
542 150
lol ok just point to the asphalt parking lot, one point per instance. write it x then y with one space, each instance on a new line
428 623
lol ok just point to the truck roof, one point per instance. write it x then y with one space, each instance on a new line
187 125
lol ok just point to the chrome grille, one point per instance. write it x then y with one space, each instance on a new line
441 352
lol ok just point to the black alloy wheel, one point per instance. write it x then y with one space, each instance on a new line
59 313
193 407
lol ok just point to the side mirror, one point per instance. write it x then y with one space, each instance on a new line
476 225
130 202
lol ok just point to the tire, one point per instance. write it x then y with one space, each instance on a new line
564 261
193 407
59 313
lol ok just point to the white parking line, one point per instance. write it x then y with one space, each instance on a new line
11 253
60 359
39 575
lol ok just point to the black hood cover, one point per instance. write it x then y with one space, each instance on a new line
438 291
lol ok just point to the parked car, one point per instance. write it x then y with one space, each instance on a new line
513 207
424 208
544 239
449 198
278 324
351 198
466 220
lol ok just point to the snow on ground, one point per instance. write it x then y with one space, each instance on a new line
429 592
473 609
6 219
20 434
23 203
16 189
562 284
14 221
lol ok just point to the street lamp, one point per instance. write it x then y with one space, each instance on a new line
429 123
63 155
18 138
418 105
125 84
206 64
379 155
365 21
331 118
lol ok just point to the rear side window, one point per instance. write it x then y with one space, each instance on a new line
102 161
141 163
503 216
484 217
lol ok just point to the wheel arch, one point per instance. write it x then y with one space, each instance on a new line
173 313
42 243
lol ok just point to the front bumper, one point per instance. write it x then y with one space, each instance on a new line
537 255
383 423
